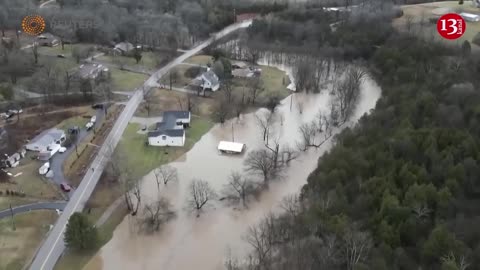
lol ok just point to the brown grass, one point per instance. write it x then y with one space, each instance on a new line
163 100
17 247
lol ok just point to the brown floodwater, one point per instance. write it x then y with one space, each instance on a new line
188 242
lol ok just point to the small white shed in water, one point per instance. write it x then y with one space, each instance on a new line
231 147
470 17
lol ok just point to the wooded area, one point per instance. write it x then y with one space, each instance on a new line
398 191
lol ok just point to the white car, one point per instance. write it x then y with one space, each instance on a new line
89 125
62 149
94 119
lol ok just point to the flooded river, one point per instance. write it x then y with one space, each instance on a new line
188 242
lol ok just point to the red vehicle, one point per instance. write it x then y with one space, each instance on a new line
65 187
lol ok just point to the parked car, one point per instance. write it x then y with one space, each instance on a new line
61 55
94 119
65 187
89 125
62 149
144 128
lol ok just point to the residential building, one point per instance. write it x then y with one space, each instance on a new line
207 81
171 131
123 48
91 71
45 139
48 40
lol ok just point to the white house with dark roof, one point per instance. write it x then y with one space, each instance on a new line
171 131
207 81
123 47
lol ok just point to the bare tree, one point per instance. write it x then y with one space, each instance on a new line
261 238
357 246
148 99
165 174
222 110
265 121
255 87
288 154
155 214
261 162
347 92
239 187
172 77
200 194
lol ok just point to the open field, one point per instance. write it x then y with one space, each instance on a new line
30 182
165 100
18 246
418 17
200 60
126 81
148 60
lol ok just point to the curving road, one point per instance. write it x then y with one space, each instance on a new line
53 247
34 206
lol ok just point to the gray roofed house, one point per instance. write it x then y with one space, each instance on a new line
41 142
90 71
208 80
171 131
123 47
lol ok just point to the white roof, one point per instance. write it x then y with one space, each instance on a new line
231 146
469 15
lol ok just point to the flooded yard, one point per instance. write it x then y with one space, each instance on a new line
188 242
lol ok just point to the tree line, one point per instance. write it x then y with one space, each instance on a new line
399 190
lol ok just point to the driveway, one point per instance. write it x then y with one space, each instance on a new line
56 162
34 206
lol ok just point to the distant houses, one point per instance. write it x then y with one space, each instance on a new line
171 131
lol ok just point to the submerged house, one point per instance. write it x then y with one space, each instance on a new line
171 131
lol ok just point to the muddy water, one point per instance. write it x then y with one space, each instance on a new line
188 242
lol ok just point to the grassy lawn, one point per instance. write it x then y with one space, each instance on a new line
29 182
127 81
144 158
165 100
429 30
200 60
148 60
181 81
18 246
80 120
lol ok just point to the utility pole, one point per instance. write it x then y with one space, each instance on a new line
233 134
234 15
13 221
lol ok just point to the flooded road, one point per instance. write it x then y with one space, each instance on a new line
188 242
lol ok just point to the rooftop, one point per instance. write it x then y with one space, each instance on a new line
169 126
45 138
90 70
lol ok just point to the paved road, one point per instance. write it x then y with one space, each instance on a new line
34 206
53 247
56 162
